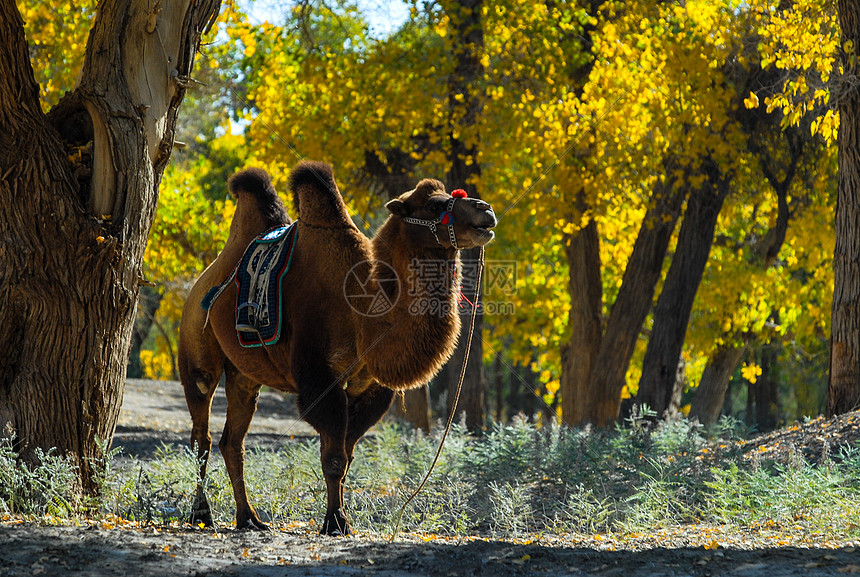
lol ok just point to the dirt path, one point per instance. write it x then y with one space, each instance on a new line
154 413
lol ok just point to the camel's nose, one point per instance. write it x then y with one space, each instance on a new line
489 215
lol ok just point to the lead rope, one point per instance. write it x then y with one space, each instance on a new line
454 405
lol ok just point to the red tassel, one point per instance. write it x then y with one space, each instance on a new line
459 193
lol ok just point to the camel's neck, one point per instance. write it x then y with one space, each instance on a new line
407 344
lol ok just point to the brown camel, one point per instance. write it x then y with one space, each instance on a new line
342 353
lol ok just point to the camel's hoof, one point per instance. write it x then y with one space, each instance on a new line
336 525
337 532
252 525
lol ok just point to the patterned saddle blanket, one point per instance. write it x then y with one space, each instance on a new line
259 278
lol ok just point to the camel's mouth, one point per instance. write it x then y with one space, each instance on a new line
482 236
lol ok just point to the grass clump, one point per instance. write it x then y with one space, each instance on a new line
515 479
44 489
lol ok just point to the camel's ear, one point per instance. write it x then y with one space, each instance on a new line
397 207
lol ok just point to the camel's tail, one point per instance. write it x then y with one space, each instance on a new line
315 194
256 183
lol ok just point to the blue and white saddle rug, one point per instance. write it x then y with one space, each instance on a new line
259 279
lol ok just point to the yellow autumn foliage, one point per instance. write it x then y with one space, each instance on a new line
555 150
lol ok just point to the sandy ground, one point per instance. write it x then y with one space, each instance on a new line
154 413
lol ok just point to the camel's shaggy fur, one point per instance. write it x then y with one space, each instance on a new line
344 366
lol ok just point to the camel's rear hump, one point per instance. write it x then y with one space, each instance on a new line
256 184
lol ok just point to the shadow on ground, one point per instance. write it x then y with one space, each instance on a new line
73 551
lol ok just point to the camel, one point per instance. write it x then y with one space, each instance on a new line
343 360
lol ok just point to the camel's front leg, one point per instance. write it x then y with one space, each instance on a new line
365 411
334 466
323 404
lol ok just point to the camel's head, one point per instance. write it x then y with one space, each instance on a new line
439 218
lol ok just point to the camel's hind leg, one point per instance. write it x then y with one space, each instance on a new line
242 395
200 379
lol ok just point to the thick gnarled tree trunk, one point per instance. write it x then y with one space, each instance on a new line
78 188
843 391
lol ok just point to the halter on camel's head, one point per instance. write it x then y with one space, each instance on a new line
478 212
445 219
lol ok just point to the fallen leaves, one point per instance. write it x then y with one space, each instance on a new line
522 560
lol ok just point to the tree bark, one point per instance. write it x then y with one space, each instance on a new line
579 354
413 407
500 388
843 390
632 304
585 319
675 303
78 189
711 394
464 108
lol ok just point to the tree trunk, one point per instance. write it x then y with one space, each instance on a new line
586 322
148 304
464 108
529 389
750 408
728 404
712 391
672 314
500 388
513 397
711 394
843 390
766 391
632 304
418 407
78 190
